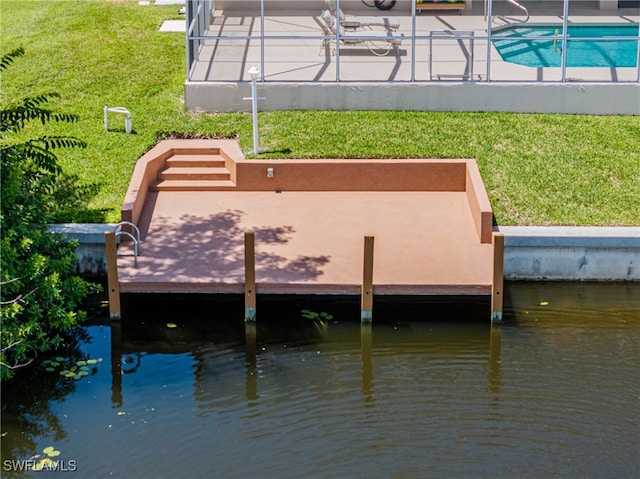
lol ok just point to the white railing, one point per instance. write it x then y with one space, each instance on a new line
135 237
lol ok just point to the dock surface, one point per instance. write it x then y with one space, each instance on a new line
194 201
309 242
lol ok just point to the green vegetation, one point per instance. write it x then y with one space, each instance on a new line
71 369
313 315
39 288
538 169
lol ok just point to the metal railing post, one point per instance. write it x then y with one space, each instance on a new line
563 54
489 35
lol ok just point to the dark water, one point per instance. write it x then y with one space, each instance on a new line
554 392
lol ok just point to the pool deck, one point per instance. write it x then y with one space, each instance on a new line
306 60
301 73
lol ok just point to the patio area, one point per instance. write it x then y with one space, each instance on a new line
447 48
294 50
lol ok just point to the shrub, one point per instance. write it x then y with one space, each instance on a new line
40 293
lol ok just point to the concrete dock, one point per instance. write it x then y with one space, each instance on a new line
431 220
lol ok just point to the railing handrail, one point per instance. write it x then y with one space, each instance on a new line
135 238
119 226
521 7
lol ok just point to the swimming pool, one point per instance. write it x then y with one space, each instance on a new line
540 45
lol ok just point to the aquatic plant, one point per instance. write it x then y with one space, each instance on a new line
70 369
45 461
320 320
313 315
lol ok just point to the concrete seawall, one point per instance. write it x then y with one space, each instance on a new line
532 253
571 253
91 245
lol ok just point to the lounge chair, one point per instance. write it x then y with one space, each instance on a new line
352 22
379 42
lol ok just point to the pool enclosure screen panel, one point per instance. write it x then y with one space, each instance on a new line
293 42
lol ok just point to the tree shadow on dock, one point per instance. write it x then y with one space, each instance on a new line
211 247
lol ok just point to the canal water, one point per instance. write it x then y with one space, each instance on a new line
553 392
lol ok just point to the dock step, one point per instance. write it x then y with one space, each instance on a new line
193 185
199 170
195 160
195 173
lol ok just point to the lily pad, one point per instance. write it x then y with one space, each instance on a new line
81 363
92 361
50 451
82 373
50 370
172 325
59 359
83 368
77 376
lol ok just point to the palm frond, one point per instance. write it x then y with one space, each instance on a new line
13 118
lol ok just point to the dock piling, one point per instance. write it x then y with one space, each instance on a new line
497 285
366 308
249 277
113 284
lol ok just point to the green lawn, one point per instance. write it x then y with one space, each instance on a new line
538 169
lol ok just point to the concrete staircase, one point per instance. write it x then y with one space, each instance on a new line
194 170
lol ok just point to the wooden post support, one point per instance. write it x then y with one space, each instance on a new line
249 277
366 308
113 283
497 286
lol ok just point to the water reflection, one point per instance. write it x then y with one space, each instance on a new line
553 389
33 417
116 364
366 338
217 350
495 344
251 335
29 407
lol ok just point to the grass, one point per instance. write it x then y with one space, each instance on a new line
538 169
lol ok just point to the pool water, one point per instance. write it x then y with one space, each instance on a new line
553 392
541 45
